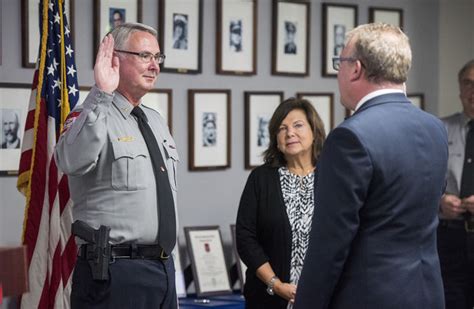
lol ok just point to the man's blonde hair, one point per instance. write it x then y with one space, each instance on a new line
384 51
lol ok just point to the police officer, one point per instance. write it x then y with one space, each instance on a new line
112 177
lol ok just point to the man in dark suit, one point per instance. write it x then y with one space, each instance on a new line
381 176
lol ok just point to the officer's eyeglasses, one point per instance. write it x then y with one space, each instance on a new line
467 83
145 57
336 61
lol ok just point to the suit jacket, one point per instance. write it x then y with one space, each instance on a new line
263 234
373 238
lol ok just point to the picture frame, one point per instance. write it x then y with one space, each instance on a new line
258 110
181 35
236 37
109 13
323 102
392 16
418 99
14 104
338 19
206 252
290 37
241 267
209 120
161 101
30 30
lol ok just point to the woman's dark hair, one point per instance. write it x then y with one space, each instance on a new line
273 155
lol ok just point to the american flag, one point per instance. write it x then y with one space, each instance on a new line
47 223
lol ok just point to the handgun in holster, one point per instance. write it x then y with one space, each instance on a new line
98 247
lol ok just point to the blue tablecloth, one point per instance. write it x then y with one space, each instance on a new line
233 301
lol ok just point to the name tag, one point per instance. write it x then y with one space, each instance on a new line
126 139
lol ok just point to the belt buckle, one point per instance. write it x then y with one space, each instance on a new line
469 226
163 255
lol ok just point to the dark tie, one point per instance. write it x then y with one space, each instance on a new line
166 214
467 179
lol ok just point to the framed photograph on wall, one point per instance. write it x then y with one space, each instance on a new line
110 13
181 35
290 38
161 100
390 16
259 108
236 37
30 29
209 123
206 252
418 99
338 19
241 267
324 105
14 101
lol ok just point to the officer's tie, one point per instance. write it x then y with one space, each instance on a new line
467 180
166 214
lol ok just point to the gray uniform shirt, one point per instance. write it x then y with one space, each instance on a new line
110 173
457 128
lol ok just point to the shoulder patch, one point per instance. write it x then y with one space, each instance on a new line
70 120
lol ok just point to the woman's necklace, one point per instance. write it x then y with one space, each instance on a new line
301 176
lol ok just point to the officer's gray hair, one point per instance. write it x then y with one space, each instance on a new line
122 32
468 66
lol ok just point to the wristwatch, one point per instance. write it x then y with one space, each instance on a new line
270 285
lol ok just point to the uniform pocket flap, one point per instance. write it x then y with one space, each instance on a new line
170 151
130 149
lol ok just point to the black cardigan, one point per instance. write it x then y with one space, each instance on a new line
263 234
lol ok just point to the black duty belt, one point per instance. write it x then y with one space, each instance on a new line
467 225
128 251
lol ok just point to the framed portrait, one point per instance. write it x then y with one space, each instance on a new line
110 13
259 108
181 35
236 37
161 101
323 103
290 38
390 16
209 129
338 19
30 29
418 99
206 252
14 101
241 267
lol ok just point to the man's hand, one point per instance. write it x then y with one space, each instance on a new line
451 206
468 204
106 69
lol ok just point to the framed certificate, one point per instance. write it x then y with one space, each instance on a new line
206 251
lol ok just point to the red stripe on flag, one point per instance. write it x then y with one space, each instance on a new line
55 273
25 162
52 184
69 259
44 300
38 180
63 190
30 120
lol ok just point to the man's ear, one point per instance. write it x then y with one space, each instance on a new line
356 71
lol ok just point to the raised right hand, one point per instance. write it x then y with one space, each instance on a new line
106 68
451 206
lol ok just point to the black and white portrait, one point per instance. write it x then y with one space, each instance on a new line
290 35
263 135
10 128
209 129
180 31
235 35
339 37
116 17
